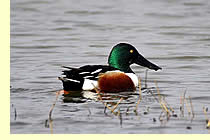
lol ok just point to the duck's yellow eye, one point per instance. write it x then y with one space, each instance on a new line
131 51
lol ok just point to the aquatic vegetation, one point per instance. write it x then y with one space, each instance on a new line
207 118
113 102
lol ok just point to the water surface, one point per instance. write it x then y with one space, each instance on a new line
46 35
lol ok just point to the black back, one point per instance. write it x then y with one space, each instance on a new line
73 78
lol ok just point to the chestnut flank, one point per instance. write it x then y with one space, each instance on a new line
115 82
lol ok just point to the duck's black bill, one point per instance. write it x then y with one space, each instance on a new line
140 60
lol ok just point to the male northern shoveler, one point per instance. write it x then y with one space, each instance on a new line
115 77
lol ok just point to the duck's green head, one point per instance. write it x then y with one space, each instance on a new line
123 55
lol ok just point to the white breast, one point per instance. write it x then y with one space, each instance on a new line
134 78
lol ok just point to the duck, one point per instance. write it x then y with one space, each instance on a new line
115 77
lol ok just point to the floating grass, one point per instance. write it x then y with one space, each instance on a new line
51 110
182 99
188 107
171 109
51 126
106 104
207 119
97 91
146 110
89 112
205 114
117 104
181 108
127 110
192 110
120 116
145 83
140 92
158 91
208 125
105 109
140 96
53 105
46 124
165 108
15 112
149 91
161 116
162 104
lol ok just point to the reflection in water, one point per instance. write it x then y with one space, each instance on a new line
121 105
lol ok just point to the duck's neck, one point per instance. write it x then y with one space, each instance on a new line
122 68
120 64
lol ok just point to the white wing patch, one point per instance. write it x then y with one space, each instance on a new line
88 84
115 71
84 72
98 70
88 76
72 80
63 76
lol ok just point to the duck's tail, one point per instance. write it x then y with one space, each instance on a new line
71 80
